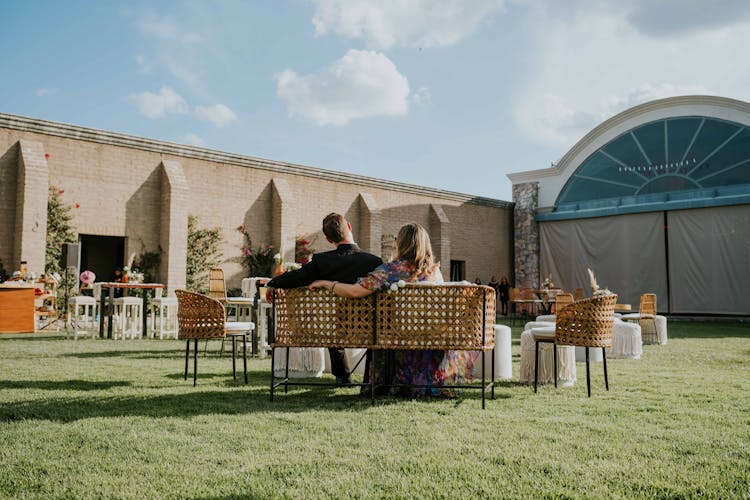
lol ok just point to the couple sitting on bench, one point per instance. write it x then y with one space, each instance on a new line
347 271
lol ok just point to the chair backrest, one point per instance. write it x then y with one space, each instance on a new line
528 294
199 316
217 288
648 304
579 294
514 294
587 322
562 300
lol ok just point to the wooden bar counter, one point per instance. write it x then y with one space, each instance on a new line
16 309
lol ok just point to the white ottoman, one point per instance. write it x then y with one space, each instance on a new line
547 318
304 362
661 329
626 340
503 357
566 362
595 354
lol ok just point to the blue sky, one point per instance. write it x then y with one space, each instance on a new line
452 94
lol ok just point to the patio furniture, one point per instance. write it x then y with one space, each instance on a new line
128 312
561 300
166 309
107 297
201 317
646 317
586 323
416 317
81 316
217 289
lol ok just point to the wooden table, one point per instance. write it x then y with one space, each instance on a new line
16 309
110 306
622 307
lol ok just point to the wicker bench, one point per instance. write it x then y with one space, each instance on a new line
415 317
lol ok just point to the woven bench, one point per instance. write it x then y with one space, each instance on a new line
415 317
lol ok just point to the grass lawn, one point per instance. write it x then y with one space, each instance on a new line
95 418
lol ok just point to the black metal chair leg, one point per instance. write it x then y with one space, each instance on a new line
195 363
604 359
187 357
554 356
273 351
493 373
234 356
484 385
286 373
536 363
588 377
244 355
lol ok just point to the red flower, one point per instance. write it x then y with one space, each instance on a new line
78 205
46 156
60 191
241 228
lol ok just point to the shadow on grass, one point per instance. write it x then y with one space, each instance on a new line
62 385
157 354
231 398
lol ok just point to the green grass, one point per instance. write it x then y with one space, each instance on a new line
107 419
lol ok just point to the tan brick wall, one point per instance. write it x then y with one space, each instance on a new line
120 192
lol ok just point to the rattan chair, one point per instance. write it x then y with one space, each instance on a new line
646 317
586 323
201 317
579 294
217 289
562 300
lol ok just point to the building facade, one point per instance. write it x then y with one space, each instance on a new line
655 199
134 195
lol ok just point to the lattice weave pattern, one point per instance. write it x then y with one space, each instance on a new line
442 317
199 317
318 318
587 322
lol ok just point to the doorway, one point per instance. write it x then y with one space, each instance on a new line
102 255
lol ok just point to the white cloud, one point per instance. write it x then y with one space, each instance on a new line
422 96
218 114
592 62
193 140
418 23
153 106
45 92
166 28
360 84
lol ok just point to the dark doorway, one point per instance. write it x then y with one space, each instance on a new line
458 270
102 255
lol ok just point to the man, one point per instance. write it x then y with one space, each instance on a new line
345 264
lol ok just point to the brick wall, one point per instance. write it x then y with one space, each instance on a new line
119 184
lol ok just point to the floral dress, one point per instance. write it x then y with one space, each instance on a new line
416 367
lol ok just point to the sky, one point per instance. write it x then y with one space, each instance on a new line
451 94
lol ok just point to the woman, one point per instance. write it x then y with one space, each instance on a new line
503 291
413 262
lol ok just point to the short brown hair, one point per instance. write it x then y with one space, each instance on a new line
334 227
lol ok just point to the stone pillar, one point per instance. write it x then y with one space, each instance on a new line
439 236
174 225
370 224
526 231
282 218
30 231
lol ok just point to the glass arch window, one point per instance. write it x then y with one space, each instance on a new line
692 155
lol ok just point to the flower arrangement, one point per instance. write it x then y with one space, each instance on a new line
596 291
258 262
302 250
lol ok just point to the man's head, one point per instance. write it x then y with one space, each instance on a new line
337 229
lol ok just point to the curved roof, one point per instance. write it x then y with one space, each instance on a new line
681 152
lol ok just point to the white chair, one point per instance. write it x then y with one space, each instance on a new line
128 317
82 314
166 309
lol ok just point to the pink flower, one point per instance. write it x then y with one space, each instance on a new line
248 251
78 205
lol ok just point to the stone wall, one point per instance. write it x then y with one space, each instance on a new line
526 231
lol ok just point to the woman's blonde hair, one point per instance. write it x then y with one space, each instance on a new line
413 245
